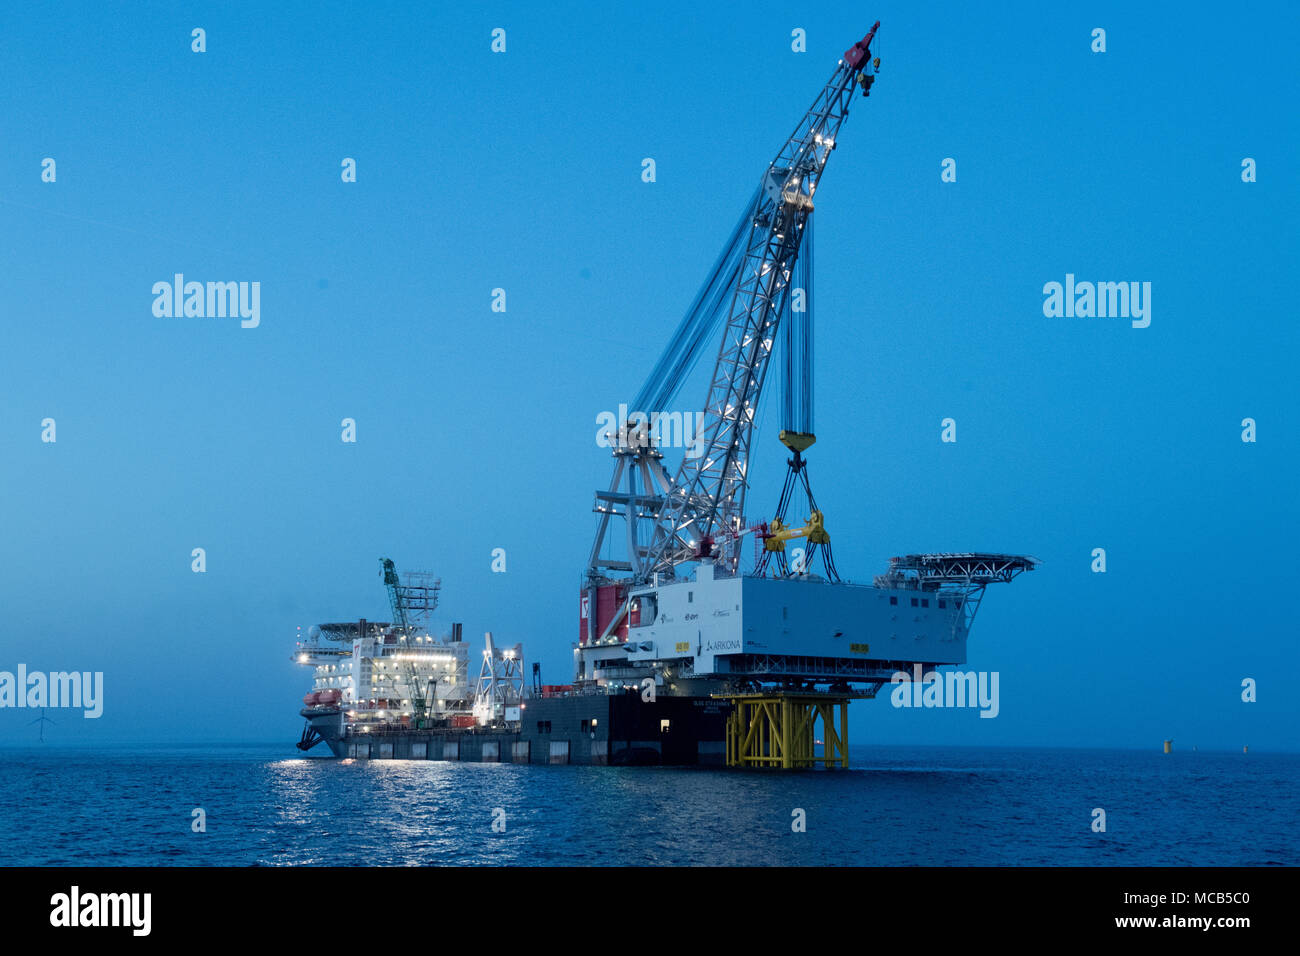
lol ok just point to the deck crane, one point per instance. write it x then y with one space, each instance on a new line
411 603
698 513
708 494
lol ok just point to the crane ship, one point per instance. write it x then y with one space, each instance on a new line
704 637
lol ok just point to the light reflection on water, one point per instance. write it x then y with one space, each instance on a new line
904 806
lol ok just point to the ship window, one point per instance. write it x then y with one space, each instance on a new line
893 599
690 597
543 726
785 614
913 602
925 602
942 603
664 726
583 726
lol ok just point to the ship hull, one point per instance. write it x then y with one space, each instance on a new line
586 730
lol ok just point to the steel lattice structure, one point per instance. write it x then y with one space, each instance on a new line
706 498
708 493
971 569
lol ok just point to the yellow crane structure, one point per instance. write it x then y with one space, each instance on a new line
778 729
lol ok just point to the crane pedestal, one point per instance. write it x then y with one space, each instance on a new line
778 729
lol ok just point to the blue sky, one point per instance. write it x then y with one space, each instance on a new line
476 429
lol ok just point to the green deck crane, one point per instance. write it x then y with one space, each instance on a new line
408 601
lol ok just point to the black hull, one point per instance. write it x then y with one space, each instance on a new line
591 730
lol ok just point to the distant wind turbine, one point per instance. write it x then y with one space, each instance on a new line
42 720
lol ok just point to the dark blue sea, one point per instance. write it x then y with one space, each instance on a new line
898 806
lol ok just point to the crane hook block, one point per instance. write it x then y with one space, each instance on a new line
797 441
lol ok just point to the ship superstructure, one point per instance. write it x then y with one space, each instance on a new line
373 675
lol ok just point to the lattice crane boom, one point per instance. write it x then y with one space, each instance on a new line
707 496
412 601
